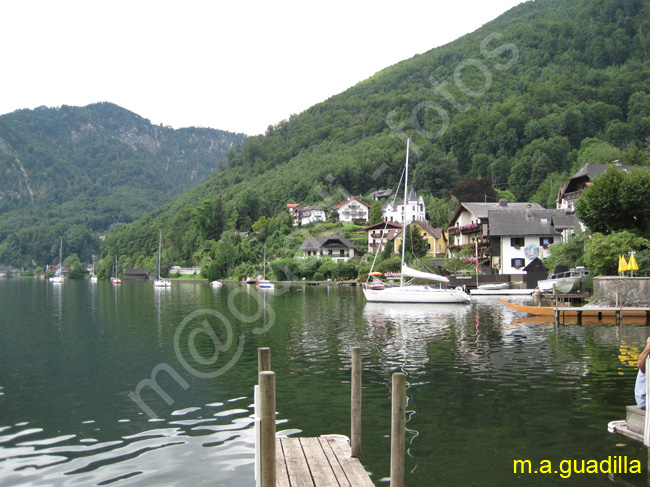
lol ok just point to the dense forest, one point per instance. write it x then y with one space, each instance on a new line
525 101
74 172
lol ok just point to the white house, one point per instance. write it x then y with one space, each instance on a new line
304 215
335 247
415 209
353 210
518 237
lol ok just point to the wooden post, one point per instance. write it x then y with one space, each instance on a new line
398 430
263 360
355 405
267 427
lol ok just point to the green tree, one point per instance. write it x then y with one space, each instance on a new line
570 254
602 251
416 244
376 213
617 200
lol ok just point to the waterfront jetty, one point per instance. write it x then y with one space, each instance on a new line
636 424
328 460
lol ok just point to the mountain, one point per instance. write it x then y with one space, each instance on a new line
73 172
525 100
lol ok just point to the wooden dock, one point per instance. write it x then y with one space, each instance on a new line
326 461
638 315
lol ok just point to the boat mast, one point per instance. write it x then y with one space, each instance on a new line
158 260
406 185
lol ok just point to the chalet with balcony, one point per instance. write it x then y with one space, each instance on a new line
380 233
518 237
304 215
435 237
569 194
334 247
353 210
415 209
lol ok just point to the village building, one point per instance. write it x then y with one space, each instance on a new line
435 238
353 210
381 194
334 247
381 233
518 237
568 195
415 209
304 215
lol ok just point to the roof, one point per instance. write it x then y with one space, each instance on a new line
353 198
134 272
434 232
412 196
382 225
381 193
480 210
329 242
530 222
589 172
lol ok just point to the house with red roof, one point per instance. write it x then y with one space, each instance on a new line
353 210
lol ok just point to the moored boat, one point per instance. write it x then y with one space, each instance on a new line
563 282
407 293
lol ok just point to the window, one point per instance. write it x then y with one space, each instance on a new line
517 262
517 242
545 241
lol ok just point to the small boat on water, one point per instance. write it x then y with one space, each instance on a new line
563 281
405 292
58 276
159 281
264 283
494 286
115 279
216 284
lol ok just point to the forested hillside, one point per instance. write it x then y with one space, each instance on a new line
525 100
73 172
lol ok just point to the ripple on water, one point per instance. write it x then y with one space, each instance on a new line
187 452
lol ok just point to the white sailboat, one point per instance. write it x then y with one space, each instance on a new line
405 293
159 281
115 279
264 283
58 275
93 277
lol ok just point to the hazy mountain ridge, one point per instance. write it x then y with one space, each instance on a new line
96 166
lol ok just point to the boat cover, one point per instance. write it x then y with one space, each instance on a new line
407 271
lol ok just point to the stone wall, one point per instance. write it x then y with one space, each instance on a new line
632 291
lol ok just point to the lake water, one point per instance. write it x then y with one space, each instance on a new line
483 389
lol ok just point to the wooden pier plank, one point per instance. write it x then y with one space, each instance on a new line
335 465
296 462
281 474
319 465
352 467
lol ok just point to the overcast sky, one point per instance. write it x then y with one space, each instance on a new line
237 66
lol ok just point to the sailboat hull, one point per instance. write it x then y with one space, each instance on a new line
416 294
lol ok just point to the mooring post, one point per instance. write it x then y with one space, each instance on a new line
398 430
355 405
263 360
267 428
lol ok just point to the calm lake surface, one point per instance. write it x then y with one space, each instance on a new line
483 389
